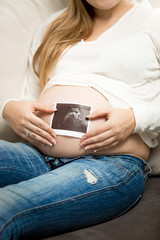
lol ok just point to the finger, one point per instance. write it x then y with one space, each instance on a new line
102 145
109 146
40 135
97 114
38 139
45 135
98 138
44 108
32 141
40 124
96 131
41 131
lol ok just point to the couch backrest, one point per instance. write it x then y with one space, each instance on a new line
19 20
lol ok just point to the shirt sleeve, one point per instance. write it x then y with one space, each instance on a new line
148 116
154 28
147 119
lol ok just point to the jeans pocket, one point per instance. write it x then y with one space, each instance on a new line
123 170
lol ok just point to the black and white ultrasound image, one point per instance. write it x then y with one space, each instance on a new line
71 117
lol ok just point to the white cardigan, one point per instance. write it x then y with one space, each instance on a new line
123 64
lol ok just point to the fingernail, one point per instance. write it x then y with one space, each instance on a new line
53 141
87 148
49 144
53 134
83 143
84 137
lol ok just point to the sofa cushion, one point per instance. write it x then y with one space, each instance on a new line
154 160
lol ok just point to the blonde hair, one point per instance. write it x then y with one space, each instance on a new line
74 24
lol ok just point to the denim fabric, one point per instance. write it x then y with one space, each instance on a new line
37 202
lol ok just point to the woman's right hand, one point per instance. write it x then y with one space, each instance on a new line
22 118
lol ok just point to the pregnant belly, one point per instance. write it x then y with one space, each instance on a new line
67 146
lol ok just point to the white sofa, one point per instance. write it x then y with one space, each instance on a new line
19 20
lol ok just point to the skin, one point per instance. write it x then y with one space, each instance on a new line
119 124
106 7
22 118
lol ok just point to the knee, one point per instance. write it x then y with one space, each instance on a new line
9 162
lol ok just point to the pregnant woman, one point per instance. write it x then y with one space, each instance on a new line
103 54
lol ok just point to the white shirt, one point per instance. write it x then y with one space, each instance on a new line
123 64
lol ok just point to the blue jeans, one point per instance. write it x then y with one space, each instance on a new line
38 202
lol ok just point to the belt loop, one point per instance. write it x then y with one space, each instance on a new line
52 162
45 158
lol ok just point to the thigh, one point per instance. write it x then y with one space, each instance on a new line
79 194
19 162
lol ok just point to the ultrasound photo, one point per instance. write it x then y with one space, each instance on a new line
70 119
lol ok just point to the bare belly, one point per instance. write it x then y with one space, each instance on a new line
69 147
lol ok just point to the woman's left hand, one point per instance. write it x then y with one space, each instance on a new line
119 124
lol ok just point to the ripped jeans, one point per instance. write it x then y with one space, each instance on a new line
38 202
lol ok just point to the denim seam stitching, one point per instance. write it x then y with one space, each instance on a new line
129 159
124 169
63 202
